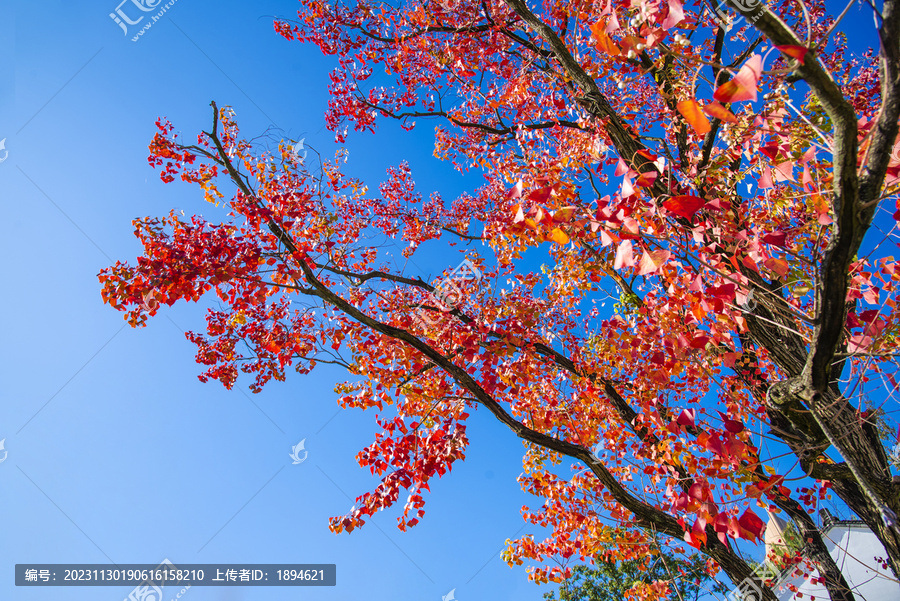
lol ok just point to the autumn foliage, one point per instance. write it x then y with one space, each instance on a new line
714 328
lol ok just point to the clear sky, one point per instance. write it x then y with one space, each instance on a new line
116 453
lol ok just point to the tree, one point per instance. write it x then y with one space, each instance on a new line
611 581
718 179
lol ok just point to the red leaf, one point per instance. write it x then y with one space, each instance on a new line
752 527
777 238
729 359
564 214
731 425
770 150
859 343
697 492
748 262
725 291
541 195
646 178
684 206
698 534
796 52
686 418
714 445
699 342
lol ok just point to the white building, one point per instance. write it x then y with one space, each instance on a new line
855 549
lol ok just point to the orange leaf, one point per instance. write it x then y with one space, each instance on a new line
603 41
690 110
717 111
749 263
779 266
698 534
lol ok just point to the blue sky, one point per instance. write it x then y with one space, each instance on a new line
116 453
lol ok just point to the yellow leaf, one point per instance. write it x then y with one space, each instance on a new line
559 236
